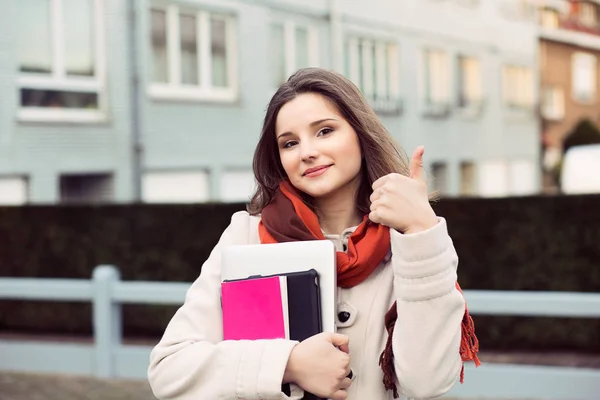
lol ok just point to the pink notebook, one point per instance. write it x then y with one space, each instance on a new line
255 308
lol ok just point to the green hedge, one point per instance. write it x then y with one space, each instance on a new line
529 243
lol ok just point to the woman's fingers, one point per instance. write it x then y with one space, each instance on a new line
346 383
340 395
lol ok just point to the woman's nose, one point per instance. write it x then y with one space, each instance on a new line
308 151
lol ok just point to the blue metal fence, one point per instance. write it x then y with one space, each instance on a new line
108 357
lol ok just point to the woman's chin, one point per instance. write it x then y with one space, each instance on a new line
317 191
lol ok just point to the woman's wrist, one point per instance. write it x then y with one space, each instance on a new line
289 376
422 226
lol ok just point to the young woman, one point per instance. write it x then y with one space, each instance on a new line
327 168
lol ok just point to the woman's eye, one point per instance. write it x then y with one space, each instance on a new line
325 131
289 144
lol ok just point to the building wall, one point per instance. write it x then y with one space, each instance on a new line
496 140
569 76
217 138
206 146
40 150
557 70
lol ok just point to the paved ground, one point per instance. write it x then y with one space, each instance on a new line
21 386
60 387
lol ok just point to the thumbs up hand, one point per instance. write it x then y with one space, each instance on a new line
402 202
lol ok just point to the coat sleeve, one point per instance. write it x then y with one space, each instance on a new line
427 333
192 361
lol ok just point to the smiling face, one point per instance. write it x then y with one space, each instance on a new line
319 150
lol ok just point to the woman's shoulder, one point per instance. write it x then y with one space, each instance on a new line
244 227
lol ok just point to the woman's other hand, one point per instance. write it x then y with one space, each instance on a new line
320 365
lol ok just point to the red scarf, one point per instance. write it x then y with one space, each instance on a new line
287 219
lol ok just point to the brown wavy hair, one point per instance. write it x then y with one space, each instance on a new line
381 154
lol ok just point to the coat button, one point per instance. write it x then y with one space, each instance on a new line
344 316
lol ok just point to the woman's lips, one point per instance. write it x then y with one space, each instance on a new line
313 172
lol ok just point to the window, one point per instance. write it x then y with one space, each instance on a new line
587 15
467 179
86 188
193 54
549 18
522 177
437 77
584 69
176 187
517 87
293 47
493 179
373 67
517 9
61 60
553 103
439 172
468 3
498 178
237 186
13 190
526 8
469 82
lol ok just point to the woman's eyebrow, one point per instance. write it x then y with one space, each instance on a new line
320 121
312 124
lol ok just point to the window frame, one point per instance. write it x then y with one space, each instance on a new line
580 55
430 80
440 185
382 90
510 100
173 89
477 99
553 102
468 189
549 17
289 42
26 181
435 108
60 81
203 173
588 15
472 4
235 170
105 177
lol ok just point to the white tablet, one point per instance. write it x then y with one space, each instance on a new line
242 261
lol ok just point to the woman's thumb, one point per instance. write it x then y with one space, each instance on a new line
340 341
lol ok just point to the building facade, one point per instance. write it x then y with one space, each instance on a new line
162 101
569 74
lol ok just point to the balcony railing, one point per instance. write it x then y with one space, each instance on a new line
574 24
437 109
389 106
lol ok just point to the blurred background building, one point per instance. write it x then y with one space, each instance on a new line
162 101
569 53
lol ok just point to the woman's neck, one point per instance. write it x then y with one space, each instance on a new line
338 211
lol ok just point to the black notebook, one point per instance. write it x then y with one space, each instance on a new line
304 305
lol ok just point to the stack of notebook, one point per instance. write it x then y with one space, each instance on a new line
285 306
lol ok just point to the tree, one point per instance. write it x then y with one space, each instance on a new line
585 132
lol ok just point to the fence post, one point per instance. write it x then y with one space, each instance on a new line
106 320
